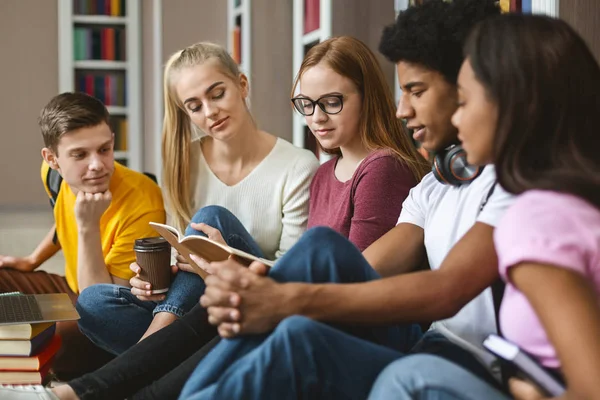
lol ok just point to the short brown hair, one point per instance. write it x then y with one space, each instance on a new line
67 112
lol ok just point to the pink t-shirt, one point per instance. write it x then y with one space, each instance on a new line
366 206
550 228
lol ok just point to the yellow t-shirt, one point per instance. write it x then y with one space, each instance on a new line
136 200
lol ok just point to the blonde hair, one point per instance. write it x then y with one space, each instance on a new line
378 128
177 127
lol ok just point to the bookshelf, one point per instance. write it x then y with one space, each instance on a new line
311 25
239 28
99 47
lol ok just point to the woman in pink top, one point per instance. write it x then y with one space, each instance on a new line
350 110
529 103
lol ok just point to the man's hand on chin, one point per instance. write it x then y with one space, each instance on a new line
243 300
89 207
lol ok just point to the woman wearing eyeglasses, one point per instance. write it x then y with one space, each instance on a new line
350 110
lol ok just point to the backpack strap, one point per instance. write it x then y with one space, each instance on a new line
497 294
53 182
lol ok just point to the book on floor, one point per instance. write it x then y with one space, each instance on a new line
23 331
204 248
27 347
31 363
25 377
524 365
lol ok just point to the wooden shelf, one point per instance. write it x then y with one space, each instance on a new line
312 37
100 64
117 110
99 19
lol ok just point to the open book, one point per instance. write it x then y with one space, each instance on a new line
204 248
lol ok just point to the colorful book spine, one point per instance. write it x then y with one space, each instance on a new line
312 15
237 44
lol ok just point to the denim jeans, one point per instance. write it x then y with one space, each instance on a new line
114 319
303 358
429 377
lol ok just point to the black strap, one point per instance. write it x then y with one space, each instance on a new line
53 182
497 295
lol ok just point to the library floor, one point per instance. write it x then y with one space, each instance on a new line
21 231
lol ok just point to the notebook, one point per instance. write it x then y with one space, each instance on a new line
33 308
525 365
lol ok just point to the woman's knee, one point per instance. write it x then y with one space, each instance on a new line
95 296
297 325
408 369
209 213
324 234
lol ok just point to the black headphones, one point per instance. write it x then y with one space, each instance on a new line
451 168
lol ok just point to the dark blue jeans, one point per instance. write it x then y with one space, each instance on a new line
114 319
303 358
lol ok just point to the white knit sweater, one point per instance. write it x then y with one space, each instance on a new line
271 202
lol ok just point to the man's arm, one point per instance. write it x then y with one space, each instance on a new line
240 301
469 268
91 268
42 252
389 258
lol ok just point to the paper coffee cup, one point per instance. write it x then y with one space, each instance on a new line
153 255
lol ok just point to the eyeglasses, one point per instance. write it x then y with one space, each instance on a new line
329 104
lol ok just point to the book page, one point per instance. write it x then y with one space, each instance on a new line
168 233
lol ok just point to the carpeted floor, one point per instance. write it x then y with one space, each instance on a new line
21 231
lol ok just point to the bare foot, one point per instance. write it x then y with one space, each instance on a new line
64 392
160 320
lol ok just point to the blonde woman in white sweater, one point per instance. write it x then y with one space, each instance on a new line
223 177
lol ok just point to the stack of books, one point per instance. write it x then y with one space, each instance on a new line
26 351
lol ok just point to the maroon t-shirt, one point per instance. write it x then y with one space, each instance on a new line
367 205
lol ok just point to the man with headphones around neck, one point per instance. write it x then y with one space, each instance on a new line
100 208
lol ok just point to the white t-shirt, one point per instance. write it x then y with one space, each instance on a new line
446 213
271 202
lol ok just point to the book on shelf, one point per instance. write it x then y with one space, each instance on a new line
31 363
99 43
114 8
109 88
120 130
23 331
236 51
312 15
204 248
27 347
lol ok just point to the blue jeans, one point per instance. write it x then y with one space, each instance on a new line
429 377
114 319
303 358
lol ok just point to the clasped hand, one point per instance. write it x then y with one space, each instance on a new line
242 300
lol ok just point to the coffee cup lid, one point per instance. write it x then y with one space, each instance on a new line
150 243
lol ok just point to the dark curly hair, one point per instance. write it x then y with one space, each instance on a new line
433 34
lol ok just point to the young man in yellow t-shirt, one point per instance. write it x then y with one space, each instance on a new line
100 207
